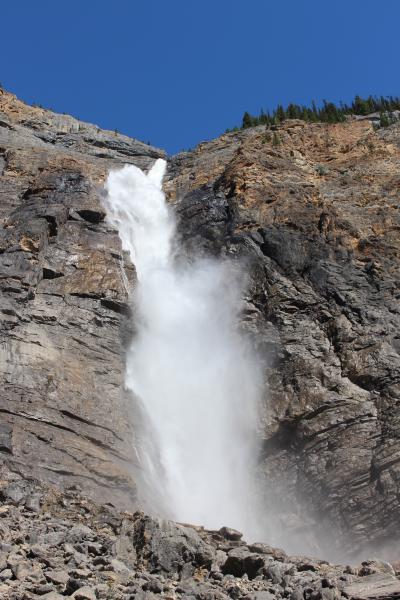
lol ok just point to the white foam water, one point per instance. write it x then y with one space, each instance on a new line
196 376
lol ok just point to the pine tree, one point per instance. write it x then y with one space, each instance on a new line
292 111
329 112
247 120
280 113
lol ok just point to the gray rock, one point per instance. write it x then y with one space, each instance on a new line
81 573
241 561
15 492
57 576
275 572
38 551
79 533
68 549
262 595
5 438
53 538
102 590
186 572
219 560
3 561
166 559
369 567
230 534
6 574
33 503
84 593
21 569
82 559
118 566
382 585
330 594
170 545
276 553
142 595
94 548
297 594
14 559
154 586
44 588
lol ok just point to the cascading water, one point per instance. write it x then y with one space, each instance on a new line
194 373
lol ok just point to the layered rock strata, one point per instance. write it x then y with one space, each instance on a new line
65 417
312 212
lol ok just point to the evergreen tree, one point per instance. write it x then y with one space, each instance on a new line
360 106
247 120
280 113
293 111
329 112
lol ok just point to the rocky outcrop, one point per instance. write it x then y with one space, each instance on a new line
61 545
63 411
312 211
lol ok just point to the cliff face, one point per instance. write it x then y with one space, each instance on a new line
312 211
63 411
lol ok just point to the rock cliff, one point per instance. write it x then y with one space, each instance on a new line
312 211
63 285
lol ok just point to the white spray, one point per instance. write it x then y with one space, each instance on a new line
196 376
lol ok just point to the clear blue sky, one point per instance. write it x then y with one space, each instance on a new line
176 72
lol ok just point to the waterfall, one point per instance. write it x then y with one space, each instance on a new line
194 373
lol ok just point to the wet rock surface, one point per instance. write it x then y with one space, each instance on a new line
73 548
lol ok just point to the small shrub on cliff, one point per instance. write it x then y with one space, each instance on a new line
275 140
322 170
267 138
386 119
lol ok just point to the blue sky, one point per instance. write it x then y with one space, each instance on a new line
177 72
